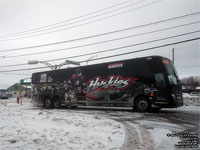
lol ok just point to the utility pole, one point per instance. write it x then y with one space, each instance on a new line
173 56
21 83
20 90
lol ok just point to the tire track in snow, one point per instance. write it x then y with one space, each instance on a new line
136 136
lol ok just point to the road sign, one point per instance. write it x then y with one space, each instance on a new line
26 83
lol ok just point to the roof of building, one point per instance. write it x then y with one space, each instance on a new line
3 90
15 87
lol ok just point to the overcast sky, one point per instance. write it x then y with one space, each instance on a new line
25 23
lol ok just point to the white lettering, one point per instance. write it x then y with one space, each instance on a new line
116 82
115 65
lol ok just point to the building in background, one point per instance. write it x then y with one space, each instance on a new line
13 91
3 91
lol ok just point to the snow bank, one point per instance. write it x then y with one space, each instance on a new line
162 140
159 132
191 100
25 127
187 95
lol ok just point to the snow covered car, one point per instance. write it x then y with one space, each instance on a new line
3 96
195 93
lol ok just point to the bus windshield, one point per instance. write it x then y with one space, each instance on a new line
171 72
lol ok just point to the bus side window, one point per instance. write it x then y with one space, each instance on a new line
160 81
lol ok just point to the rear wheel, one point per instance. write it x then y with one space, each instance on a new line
56 103
47 103
142 104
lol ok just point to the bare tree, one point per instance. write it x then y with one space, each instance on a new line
191 83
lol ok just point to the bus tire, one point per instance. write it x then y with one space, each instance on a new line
142 104
56 102
47 103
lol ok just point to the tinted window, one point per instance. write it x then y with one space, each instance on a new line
160 81
171 72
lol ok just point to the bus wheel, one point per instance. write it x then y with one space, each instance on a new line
142 104
56 102
47 103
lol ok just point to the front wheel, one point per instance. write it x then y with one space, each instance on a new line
142 104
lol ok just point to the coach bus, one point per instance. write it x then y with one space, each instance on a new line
145 84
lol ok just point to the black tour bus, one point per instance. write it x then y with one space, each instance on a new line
145 84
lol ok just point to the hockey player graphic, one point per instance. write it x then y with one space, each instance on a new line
77 81
76 84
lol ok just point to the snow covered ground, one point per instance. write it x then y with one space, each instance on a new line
27 128
161 140
191 100
24 127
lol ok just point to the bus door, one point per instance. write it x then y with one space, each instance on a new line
174 86
160 83
161 95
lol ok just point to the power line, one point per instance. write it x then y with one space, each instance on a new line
186 47
20 74
56 43
188 67
127 53
103 42
83 23
80 20
68 19
22 64
147 49
109 49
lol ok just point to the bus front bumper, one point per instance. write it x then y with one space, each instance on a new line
177 100
173 102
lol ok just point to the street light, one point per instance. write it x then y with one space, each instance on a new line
91 58
53 67
72 62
